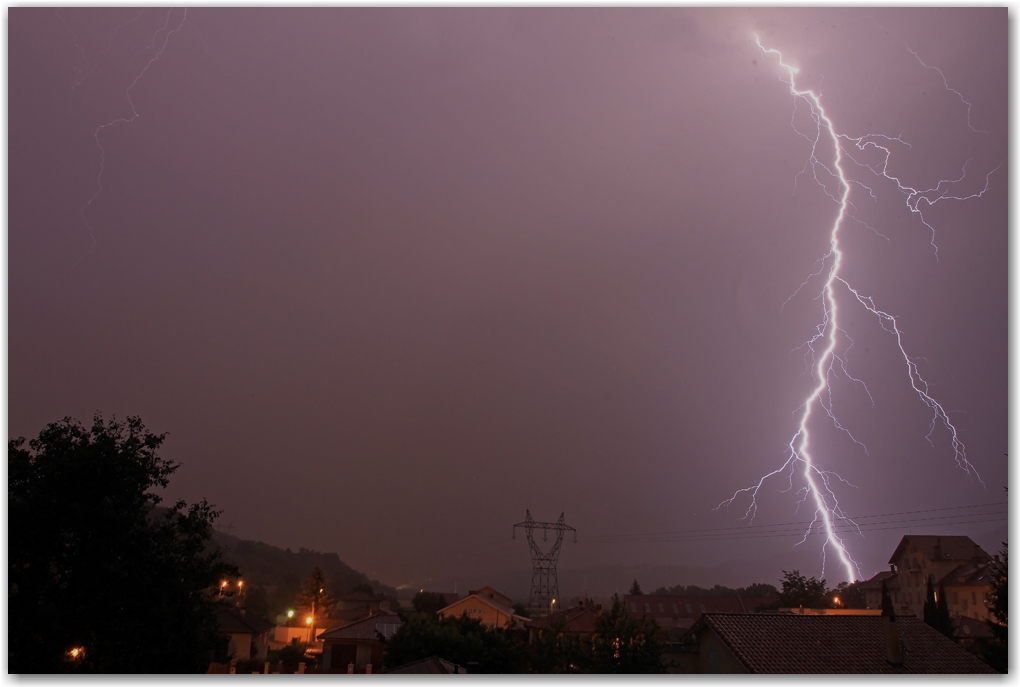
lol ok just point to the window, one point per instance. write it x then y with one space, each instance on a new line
689 609
675 611
713 661
702 607
955 600
648 609
633 608
662 609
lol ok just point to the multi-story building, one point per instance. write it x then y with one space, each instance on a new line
954 563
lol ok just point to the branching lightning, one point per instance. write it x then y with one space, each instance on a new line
830 153
166 32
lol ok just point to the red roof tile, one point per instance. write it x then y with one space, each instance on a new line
386 623
956 547
781 643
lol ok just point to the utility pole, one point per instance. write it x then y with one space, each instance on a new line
545 586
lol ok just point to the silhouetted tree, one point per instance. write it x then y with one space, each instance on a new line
623 645
427 602
314 597
994 651
92 562
635 589
848 595
801 591
461 640
936 610
555 650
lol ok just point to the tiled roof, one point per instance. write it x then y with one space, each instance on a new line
432 665
230 621
385 623
968 575
576 619
780 643
954 547
493 594
505 610
876 581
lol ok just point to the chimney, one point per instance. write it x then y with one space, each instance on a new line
893 650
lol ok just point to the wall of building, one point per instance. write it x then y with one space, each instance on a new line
714 656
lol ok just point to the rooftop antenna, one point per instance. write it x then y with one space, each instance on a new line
545 586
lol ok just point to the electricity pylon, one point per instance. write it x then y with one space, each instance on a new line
545 586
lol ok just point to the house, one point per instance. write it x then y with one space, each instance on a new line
487 605
580 620
872 588
249 635
955 563
357 643
788 643
671 612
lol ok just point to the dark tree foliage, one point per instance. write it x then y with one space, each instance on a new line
848 595
461 640
635 588
623 645
362 587
801 591
428 602
936 610
315 598
521 610
994 651
555 650
756 589
92 563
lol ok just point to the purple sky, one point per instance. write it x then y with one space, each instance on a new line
389 277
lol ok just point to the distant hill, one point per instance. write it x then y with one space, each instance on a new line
271 567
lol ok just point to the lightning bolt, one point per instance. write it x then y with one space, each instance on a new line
156 54
828 347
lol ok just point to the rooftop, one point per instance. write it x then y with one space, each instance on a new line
780 643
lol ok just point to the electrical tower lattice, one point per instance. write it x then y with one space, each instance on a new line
544 583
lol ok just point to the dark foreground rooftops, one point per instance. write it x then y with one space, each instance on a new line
782 643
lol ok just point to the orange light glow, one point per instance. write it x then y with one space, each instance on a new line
308 620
